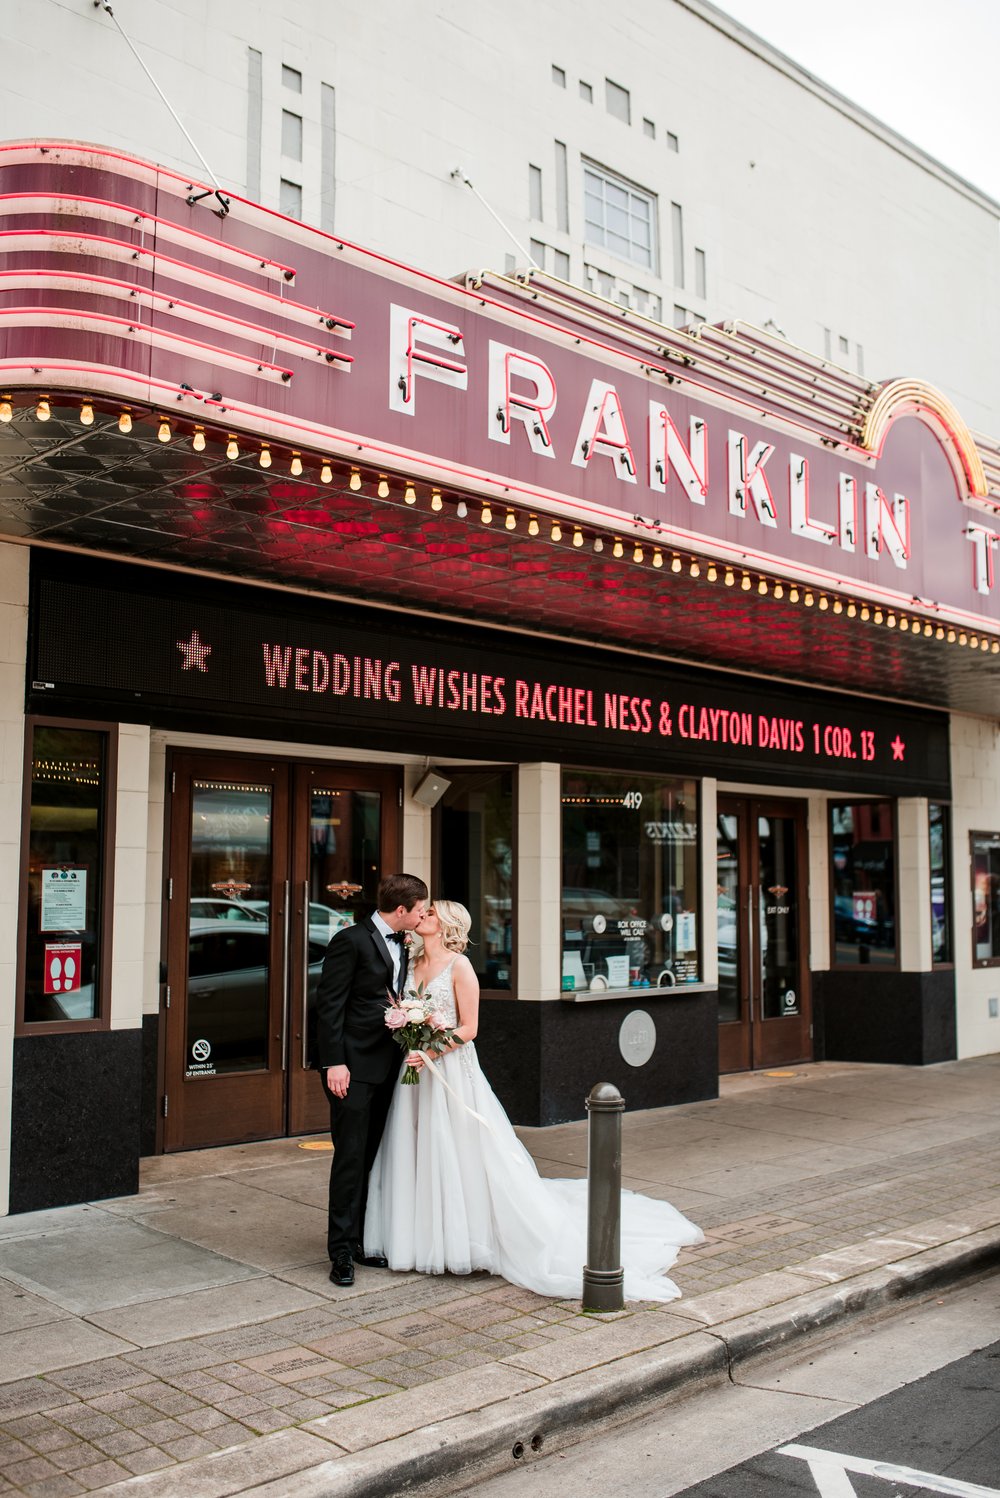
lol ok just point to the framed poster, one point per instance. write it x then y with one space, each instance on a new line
63 906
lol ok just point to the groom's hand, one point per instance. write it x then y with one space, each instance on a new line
338 1079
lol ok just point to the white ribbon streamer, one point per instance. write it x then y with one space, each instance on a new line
439 1077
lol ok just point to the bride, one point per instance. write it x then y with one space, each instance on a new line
452 1187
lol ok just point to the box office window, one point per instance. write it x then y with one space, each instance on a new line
64 903
939 829
474 864
629 882
986 899
863 852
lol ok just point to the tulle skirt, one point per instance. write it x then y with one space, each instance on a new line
449 1191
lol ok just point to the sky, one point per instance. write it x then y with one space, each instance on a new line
925 67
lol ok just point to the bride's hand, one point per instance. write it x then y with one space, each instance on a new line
416 1060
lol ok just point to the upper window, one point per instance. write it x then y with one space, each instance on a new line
630 882
619 217
863 850
64 941
291 135
618 101
291 78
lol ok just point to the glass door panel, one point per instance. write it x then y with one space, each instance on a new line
727 907
778 892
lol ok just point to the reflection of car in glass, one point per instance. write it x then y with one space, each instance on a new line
205 909
324 921
849 926
227 984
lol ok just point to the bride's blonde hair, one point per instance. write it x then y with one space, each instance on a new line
456 923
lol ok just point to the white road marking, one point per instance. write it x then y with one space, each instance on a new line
830 1468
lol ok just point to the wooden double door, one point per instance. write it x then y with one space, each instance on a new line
267 860
762 908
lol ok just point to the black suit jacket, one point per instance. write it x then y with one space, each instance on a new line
353 994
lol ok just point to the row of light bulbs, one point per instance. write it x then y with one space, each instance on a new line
777 588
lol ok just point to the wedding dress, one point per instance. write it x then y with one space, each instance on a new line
449 1191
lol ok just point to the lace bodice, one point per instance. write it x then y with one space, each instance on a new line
441 990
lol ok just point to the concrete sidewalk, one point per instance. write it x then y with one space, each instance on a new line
187 1341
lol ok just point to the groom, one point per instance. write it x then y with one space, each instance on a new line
358 1058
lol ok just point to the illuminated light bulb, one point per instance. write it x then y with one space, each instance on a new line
555 533
713 573
852 610
824 603
890 622
974 642
963 638
809 600
928 630
86 414
904 624
383 487
598 543
295 466
265 457
510 521
676 564
198 440
951 637
995 648
618 549
939 632
533 526
866 613
461 509
695 569
779 591
437 503
354 482
745 582
638 555
762 587
729 578
657 558
838 607
410 495
578 538
326 474
164 432
6 411
878 616
486 515
42 411
984 644
232 449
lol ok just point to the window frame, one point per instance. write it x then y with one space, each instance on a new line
615 179
669 990
453 773
102 1019
979 963
862 967
949 882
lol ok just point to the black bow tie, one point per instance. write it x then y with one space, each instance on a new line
397 937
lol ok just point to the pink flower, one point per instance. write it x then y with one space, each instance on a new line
438 1020
395 1019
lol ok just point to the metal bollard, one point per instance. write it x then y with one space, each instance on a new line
603 1275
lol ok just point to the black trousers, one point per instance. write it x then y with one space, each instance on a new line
357 1123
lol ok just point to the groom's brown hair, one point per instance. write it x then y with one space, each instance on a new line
400 889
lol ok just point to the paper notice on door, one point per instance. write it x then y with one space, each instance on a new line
64 900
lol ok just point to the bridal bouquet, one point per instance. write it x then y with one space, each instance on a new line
418 1026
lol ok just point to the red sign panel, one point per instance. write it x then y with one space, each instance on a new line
62 967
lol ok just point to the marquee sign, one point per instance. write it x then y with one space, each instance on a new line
112 281
355 678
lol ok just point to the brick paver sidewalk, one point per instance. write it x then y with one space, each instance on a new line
197 1318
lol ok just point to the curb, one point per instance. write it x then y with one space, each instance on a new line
482 1443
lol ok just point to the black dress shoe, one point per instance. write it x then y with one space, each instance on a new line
342 1270
370 1261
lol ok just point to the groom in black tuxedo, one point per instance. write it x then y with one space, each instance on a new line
358 1058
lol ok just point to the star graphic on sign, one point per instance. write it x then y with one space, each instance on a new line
195 653
898 748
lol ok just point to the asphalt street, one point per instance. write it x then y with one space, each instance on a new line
908 1403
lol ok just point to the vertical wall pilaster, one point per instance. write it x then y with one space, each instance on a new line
913 915
539 875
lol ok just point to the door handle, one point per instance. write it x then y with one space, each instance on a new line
284 981
750 950
305 973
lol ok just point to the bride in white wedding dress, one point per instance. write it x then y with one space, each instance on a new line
452 1187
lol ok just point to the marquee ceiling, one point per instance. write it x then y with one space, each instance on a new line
131 495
